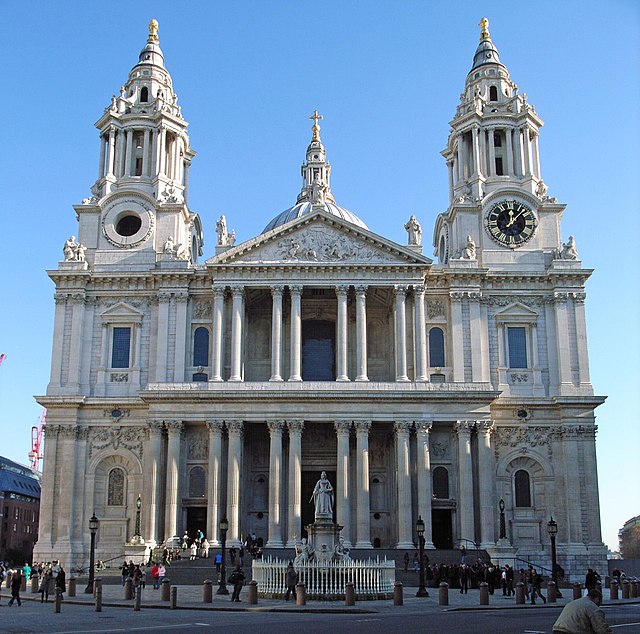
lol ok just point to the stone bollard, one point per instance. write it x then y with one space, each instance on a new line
301 594
97 589
57 604
128 589
397 593
97 583
443 594
138 600
174 598
613 590
552 592
484 593
71 590
519 593
165 590
207 591
349 594
633 589
34 584
577 591
625 588
252 595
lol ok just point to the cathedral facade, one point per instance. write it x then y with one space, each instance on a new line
455 389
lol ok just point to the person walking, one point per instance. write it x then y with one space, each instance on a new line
406 561
45 585
237 579
536 586
464 579
583 616
16 585
292 581
61 582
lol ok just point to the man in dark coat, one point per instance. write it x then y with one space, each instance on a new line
16 584
292 581
237 579
61 581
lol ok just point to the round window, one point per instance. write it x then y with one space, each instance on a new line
128 225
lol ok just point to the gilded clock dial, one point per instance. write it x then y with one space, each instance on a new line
511 223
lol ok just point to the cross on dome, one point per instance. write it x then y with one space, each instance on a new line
316 128
484 29
153 31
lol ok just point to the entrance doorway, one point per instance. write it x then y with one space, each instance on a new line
309 479
197 520
441 528
318 350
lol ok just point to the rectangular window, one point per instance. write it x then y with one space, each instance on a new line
121 347
138 168
517 347
499 168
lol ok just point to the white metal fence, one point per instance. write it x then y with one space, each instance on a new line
372 579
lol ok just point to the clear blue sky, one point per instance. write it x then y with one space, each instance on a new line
387 78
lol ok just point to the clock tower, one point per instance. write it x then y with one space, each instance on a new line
499 211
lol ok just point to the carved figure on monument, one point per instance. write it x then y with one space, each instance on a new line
541 189
318 192
73 251
414 230
341 552
221 230
80 251
469 251
569 250
304 554
323 497
171 248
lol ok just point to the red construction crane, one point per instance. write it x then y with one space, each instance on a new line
36 455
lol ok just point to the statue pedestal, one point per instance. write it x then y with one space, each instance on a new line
137 551
324 535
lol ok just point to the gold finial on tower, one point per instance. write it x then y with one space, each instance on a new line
316 128
153 30
484 29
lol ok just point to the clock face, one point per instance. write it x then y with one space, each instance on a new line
511 223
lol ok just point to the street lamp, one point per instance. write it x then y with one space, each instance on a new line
138 507
224 527
552 529
93 529
503 526
422 591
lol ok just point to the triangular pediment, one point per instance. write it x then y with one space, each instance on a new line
319 238
517 312
121 312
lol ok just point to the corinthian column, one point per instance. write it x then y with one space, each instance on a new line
361 332
343 501
295 482
274 539
421 333
236 333
402 429
173 473
341 352
234 473
465 479
152 460
276 333
218 320
296 333
423 430
400 293
363 522
215 428
486 489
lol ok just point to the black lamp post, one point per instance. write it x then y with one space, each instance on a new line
422 591
138 532
503 526
93 529
552 528
224 527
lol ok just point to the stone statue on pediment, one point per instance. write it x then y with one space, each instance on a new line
414 231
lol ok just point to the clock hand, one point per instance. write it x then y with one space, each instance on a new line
514 219
510 219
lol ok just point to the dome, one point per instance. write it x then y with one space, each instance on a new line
305 208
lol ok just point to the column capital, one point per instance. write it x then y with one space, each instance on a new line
219 291
234 427
295 426
164 296
362 426
400 291
485 426
174 427
424 427
155 427
275 426
342 427
215 426
277 290
237 290
342 290
361 289
295 289
419 289
463 427
401 427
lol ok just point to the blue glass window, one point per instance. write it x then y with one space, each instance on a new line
201 347
436 348
121 347
523 488
517 347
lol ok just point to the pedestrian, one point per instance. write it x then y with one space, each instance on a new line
218 561
292 581
406 561
590 580
45 585
205 548
510 590
194 550
155 574
536 586
582 616
241 556
464 579
232 556
162 573
61 582
137 581
416 562
237 579
124 571
16 585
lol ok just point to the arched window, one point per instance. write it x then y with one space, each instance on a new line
493 93
197 482
523 488
440 483
144 95
201 347
436 348
115 487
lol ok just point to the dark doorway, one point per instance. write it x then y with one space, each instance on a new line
318 350
441 528
197 520
309 479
